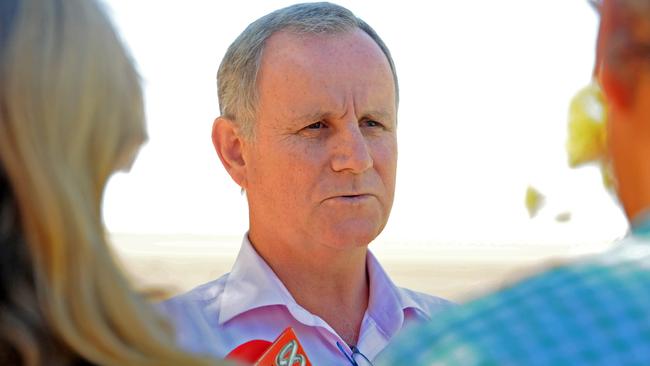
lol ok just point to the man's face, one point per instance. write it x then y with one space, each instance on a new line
321 167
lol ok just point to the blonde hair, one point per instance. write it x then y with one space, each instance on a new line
70 109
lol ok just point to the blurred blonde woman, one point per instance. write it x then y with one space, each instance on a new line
71 113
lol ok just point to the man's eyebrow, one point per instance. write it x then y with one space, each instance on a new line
381 115
309 117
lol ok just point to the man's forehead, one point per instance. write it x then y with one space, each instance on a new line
312 77
290 58
285 47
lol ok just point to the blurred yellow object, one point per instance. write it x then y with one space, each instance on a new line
563 217
534 201
587 141
608 175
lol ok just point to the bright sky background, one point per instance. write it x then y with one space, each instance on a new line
485 87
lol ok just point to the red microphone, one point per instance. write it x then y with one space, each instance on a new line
249 352
286 350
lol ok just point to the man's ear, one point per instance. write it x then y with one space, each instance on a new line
229 145
617 89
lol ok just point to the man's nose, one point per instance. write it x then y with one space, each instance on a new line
351 152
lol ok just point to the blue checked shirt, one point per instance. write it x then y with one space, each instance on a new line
592 312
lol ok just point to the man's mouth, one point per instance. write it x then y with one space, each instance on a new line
350 198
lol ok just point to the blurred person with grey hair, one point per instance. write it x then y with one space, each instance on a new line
595 311
308 97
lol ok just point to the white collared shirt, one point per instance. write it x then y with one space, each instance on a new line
251 303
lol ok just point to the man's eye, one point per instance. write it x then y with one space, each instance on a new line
371 123
316 126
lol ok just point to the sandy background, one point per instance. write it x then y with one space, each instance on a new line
170 264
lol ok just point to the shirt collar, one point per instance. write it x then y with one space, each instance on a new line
252 284
388 303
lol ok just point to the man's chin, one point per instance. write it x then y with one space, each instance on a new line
352 235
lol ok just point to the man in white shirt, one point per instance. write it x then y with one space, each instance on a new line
308 96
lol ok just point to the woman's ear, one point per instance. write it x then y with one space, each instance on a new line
229 145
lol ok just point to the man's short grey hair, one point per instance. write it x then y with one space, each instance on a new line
237 75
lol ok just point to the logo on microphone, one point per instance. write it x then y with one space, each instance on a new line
286 350
289 356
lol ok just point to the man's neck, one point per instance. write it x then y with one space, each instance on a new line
629 150
330 283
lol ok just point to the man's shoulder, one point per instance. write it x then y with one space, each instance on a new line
596 296
196 299
194 316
